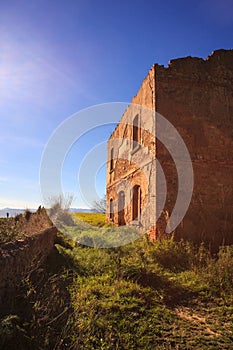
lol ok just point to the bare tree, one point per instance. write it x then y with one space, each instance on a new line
59 207
100 205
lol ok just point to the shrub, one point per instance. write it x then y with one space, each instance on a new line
59 210
219 272
172 255
27 214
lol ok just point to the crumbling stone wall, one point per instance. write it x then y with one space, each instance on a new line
195 95
20 257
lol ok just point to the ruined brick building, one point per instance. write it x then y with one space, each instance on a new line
196 97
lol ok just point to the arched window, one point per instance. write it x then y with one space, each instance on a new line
136 131
121 208
111 210
111 159
137 202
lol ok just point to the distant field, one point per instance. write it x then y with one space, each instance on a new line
91 229
95 219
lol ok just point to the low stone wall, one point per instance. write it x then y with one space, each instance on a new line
19 258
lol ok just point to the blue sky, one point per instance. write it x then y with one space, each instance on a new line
58 57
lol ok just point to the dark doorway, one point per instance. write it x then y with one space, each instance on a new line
111 210
121 208
136 202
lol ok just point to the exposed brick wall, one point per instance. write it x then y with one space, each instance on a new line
127 159
195 95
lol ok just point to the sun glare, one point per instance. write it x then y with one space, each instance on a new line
25 74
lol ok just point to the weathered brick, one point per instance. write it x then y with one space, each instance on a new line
195 95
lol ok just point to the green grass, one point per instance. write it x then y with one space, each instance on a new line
130 297
90 229
94 219
167 295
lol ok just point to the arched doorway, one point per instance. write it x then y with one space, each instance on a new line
121 208
136 202
111 210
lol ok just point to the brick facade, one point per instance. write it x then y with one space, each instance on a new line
196 96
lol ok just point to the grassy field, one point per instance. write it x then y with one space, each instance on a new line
90 229
167 295
94 219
